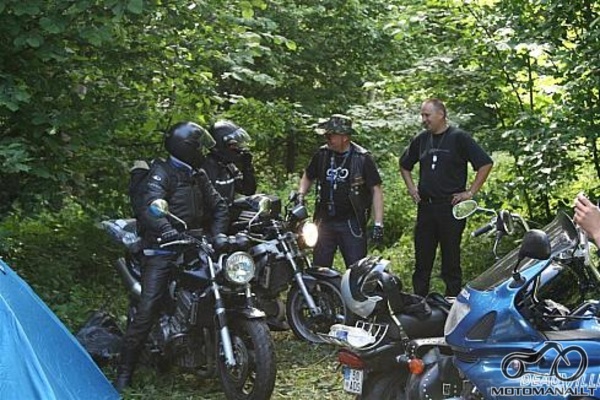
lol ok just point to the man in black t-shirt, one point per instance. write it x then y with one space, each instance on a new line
348 185
443 153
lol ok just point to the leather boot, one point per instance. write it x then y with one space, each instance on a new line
125 369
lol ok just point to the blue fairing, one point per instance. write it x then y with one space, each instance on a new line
39 357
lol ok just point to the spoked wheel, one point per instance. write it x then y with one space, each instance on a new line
253 375
328 298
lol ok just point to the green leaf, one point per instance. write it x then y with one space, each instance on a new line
51 25
135 6
247 10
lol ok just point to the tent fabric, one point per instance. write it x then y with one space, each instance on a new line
39 357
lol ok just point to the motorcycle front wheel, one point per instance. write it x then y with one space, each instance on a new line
253 375
332 310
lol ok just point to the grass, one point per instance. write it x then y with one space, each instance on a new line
304 371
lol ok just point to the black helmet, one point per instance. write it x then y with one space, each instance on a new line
187 142
231 140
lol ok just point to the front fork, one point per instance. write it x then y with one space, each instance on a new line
310 301
221 314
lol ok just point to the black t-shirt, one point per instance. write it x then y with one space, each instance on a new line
443 161
335 180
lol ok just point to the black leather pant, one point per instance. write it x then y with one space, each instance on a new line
155 279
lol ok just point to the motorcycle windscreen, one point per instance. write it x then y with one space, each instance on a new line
40 358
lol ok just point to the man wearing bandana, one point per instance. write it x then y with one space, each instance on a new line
443 152
348 187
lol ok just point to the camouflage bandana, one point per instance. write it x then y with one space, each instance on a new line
337 123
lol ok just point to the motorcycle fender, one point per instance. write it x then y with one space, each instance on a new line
246 313
321 273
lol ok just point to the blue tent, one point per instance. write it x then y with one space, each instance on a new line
39 357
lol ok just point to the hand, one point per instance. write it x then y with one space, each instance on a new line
169 236
377 234
587 216
462 196
414 195
245 158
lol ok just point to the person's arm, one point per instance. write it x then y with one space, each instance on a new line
480 177
378 205
304 187
587 216
410 185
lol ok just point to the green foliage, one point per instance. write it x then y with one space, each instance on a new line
88 87
64 256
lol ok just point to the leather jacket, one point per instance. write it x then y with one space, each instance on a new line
190 195
228 179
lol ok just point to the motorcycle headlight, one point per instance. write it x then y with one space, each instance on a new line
239 268
310 234
458 311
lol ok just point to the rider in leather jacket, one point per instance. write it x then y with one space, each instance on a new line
191 197
229 163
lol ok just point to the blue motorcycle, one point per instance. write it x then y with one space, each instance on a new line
527 328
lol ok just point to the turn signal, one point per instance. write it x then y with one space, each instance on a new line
416 366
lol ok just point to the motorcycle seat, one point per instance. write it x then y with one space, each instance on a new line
437 300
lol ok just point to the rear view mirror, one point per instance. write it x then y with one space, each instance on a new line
464 209
264 205
536 245
159 208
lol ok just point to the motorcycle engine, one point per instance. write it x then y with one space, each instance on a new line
172 334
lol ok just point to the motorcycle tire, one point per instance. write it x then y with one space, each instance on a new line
253 376
328 297
383 386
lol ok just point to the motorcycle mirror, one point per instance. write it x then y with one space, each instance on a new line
159 208
464 209
264 205
508 224
536 245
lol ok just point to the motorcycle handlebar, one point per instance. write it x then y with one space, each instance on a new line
483 229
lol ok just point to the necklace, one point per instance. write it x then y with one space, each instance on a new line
435 150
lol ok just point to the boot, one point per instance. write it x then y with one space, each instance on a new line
125 369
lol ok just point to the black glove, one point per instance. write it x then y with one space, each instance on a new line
300 199
245 158
170 235
377 234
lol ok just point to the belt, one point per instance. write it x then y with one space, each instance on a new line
437 200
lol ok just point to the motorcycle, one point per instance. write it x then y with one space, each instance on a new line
373 350
283 268
439 378
529 326
208 322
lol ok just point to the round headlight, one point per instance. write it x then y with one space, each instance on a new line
239 268
310 234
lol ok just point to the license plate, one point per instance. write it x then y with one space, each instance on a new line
353 380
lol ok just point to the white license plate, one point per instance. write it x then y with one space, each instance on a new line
353 380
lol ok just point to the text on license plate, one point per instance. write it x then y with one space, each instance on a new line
353 380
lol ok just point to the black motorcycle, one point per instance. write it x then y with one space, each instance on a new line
281 241
373 350
208 323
